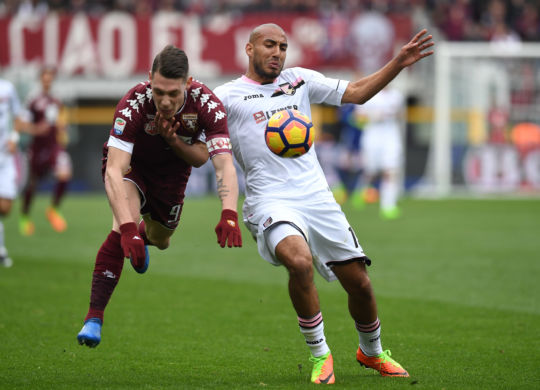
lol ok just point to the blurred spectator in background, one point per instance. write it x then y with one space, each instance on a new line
372 35
10 118
47 153
348 163
382 117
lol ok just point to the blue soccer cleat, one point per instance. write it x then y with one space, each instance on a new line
90 333
142 269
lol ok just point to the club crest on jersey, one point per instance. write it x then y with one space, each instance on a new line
190 122
119 125
150 128
288 88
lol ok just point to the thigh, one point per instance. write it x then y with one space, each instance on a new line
332 238
8 172
155 229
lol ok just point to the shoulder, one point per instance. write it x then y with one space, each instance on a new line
225 90
200 95
136 101
299 72
6 87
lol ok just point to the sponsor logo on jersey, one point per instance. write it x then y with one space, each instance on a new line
288 88
220 143
261 116
190 122
257 95
119 125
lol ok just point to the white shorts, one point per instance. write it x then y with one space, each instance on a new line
381 150
324 226
63 163
8 176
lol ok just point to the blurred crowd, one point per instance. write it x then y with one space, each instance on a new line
456 20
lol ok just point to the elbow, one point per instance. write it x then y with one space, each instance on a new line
199 162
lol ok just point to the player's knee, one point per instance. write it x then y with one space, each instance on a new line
300 266
160 244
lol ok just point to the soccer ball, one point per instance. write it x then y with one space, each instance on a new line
289 133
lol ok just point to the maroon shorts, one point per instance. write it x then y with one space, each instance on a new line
43 161
162 196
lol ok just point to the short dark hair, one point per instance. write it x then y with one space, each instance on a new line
172 63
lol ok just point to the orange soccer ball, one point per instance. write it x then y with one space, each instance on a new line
289 133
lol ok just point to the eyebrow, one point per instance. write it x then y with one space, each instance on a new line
273 41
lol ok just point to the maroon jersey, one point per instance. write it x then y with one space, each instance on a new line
158 172
44 148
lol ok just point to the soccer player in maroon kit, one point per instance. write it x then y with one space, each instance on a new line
47 153
161 129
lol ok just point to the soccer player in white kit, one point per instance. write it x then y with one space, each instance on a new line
382 149
289 208
10 121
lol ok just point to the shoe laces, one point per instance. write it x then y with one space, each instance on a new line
318 362
385 357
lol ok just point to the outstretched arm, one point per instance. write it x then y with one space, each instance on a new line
227 230
360 91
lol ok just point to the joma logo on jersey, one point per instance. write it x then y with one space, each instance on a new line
257 95
288 88
190 121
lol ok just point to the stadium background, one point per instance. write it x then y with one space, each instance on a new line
456 279
102 48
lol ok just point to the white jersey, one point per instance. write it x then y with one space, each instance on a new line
249 106
10 107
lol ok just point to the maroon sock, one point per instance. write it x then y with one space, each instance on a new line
27 200
107 271
59 192
142 233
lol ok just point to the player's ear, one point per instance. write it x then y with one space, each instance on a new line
189 81
150 75
249 49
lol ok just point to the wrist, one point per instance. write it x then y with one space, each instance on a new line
229 214
129 227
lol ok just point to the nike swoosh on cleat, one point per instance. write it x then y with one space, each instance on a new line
136 238
327 378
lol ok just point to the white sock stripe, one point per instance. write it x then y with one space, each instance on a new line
368 327
310 322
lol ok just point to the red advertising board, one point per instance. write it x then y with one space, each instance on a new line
120 44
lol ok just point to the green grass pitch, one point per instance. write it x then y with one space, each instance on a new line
457 285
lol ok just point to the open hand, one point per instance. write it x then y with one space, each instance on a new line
416 49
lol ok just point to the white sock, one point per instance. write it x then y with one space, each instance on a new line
3 250
389 193
370 338
313 331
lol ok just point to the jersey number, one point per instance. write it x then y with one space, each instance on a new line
175 213
353 237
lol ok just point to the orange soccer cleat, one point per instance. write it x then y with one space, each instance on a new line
323 369
382 363
56 219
